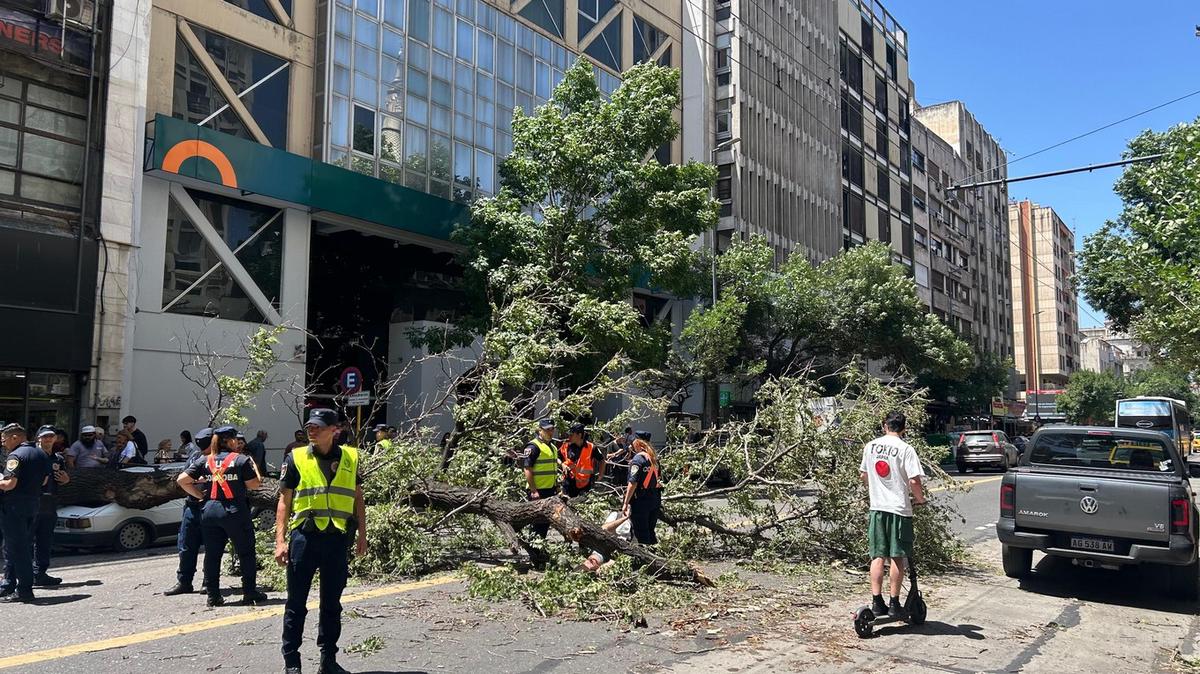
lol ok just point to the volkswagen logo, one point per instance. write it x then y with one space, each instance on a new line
1089 505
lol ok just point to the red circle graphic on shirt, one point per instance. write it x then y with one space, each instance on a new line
882 469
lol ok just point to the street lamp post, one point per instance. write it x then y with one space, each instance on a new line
1037 367
711 393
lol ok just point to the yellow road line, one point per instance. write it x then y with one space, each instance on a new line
968 483
34 657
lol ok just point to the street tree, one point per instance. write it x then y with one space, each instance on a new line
856 305
1140 269
1091 397
1163 379
987 379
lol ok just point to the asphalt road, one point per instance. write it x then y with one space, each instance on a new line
110 617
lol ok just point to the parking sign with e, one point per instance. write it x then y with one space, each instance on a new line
351 380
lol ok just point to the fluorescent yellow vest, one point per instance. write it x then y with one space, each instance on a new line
321 501
545 466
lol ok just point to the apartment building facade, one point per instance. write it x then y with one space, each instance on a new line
1103 349
1045 307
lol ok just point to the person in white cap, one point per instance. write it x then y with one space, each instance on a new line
88 451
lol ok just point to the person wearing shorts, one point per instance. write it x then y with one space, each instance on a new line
892 472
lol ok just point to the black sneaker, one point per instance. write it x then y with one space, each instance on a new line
215 600
291 669
180 588
253 598
6 591
879 607
331 667
895 610
46 580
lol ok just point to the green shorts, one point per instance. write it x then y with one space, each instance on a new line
889 535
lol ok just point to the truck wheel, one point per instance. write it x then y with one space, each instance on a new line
1016 561
1185 581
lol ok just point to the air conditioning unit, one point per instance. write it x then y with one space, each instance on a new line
75 11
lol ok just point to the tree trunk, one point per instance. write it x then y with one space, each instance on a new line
150 489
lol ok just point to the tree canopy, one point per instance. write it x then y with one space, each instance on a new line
857 304
1090 397
1143 269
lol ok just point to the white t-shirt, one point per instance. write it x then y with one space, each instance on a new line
130 450
890 463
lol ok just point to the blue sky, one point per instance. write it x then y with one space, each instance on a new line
1035 73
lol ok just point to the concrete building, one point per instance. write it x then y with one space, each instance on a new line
301 163
963 233
1045 308
1104 349
761 102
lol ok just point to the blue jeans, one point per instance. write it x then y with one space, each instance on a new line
324 551
189 540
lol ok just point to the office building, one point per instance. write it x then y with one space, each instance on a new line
1045 308
1104 349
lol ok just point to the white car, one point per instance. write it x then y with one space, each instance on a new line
112 525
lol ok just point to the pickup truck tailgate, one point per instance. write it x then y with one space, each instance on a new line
1108 506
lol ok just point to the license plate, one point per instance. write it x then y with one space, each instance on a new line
1097 544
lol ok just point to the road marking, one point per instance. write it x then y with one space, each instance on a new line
968 483
34 657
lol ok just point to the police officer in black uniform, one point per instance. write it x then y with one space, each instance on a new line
225 515
47 515
643 495
190 535
25 471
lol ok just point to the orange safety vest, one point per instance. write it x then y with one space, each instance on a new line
582 469
651 472
218 475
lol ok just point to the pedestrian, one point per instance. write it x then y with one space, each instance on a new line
25 471
165 452
320 511
187 445
61 443
892 472
47 514
138 437
225 515
102 437
583 462
126 450
88 451
383 441
190 535
539 462
616 523
643 495
301 439
257 449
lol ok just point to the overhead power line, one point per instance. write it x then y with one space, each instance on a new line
1050 174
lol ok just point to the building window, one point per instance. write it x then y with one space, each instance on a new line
881 96
868 39
884 189
918 160
881 140
606 48
891 61
723 119
590 13
646 39
885 227
852 69
197 283
42 130
364 130
852 164
725 183
547 14
853 213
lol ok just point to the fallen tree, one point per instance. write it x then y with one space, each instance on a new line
141 490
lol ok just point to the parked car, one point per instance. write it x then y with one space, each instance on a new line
112 525
985 449
1101 496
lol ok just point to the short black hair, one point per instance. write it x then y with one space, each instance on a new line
895 422
129 419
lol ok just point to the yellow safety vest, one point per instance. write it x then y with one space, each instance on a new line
322 501
545 466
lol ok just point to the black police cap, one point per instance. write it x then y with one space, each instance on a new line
643 435
322 417
228 431
577 428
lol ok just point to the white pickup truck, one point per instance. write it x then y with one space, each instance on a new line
1103 497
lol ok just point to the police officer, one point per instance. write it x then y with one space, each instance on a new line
320 511
47 515
190 534
225 515
583 462
540 464
643 495
383 438
25 472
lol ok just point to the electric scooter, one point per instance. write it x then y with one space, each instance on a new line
865 619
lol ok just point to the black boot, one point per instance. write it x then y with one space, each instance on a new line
291 669
895 610
215 600
252 597
330 666
179 588
46 580
878 606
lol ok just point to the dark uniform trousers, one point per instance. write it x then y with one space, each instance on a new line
16 520
220 522
188 542
643 515
309 552
43 538
540 529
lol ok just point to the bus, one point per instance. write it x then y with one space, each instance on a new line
1167 415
